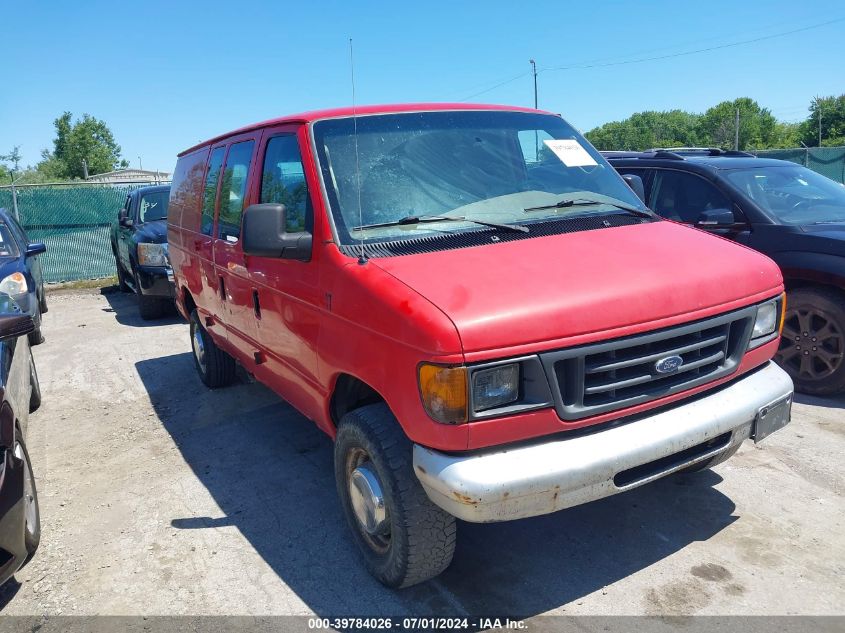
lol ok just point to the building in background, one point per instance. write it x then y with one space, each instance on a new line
130 175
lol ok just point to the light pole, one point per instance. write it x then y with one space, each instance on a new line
140 164
534 67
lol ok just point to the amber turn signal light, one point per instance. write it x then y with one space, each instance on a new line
444 393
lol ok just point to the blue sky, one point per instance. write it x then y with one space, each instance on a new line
165 75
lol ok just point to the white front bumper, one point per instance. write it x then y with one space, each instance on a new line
513 483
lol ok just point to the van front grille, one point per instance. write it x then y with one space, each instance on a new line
602 377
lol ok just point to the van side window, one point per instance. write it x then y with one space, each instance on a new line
210 193
233 190
283 180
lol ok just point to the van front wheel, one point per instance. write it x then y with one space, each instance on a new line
215 367
405 539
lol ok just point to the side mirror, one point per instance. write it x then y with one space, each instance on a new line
716 219
265 234
15 325
636 185
125 221
35 248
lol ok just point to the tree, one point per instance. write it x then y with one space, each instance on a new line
13 157
832 122
757 126
645 130
87 139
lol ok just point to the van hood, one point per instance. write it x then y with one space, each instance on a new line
547 289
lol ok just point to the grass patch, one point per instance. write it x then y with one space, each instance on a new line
82 284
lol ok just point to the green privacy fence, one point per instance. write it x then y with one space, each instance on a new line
828 161
73 220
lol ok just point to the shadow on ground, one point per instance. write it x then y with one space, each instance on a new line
831 402
124 305
270 471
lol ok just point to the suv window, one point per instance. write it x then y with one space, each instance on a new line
683 197
233 190
210 192
283 180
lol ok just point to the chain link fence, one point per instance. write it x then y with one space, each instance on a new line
74 221
828 161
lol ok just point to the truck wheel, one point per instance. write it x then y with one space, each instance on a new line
149 307
216 368
36 337
42 302
812 348
121 278
35 386
32 517
404 538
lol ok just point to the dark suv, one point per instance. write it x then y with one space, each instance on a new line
139 244
793 215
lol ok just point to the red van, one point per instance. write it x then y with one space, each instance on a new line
476 307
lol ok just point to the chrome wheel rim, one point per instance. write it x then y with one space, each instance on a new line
366 496
198 345
812 346
30 510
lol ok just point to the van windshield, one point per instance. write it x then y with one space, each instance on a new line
792 193
486 166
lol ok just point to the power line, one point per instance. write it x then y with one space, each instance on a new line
698 50
499 85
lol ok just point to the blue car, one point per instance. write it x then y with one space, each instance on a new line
20 272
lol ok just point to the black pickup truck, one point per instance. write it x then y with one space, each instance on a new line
139 244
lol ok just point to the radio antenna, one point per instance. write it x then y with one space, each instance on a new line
362 259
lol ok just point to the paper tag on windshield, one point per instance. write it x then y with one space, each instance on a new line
570 152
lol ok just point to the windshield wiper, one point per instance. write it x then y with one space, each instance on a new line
424 219
583 201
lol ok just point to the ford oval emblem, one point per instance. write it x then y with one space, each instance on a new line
668 365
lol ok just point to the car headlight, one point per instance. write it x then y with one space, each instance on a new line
444 392
769 320
152 254
495 387
14 285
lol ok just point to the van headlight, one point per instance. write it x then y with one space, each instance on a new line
769 319
14 285
495 387
152 254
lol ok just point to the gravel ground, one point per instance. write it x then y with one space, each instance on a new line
160 497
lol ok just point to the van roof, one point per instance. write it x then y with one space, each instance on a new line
315 115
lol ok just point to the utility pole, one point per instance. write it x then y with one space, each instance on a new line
736 130
140 164
534 66
819 108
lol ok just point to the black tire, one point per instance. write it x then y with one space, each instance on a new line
812 348
32 526
121 278
42 302
150 308
418 540
36 337
215 367
35 386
